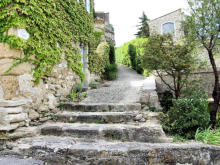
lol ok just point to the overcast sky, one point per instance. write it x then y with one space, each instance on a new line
124 14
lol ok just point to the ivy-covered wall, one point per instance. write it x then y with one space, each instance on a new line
50 56
54 26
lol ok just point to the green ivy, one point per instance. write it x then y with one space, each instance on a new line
54 26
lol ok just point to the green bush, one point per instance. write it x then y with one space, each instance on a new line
166 100
111 72
130 54
112 54
208 136
188 113
217 125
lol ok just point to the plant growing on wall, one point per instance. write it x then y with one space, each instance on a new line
203 25
168 58
54 27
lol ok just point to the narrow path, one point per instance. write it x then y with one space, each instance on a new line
126 89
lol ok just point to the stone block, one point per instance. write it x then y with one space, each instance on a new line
6 52
6 63
15 110
9 86
33 115
13 103
1 92
16 118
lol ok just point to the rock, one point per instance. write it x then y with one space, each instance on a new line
138 117
51 101
33 115
18 70
11 110
143 120
13 103
9 86
6 52
15 118
1 93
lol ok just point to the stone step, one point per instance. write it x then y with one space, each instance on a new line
69 151
147 132
100 107
105 117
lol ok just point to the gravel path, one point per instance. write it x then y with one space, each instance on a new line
126 89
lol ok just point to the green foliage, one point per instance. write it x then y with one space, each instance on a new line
143 28
217 125
166 100
167 57
50 23
111 71
93 85
208 136
203 26
112 54
188 113
103 49
123 57
77 93
132 55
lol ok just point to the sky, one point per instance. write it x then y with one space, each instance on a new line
124 14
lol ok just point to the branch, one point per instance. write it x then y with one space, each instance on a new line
161 77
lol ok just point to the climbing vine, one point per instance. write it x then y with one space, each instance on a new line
54 26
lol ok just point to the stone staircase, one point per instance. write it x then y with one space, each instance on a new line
110 134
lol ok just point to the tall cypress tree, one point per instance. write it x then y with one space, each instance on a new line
143 27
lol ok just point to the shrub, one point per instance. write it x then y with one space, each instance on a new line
112 54
132 54
208 136
111 71
217 125
188 113
166 100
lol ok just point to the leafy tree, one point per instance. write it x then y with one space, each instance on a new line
132 55
143 28
111 54
203 25
168 58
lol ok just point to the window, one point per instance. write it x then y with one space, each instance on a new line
168 28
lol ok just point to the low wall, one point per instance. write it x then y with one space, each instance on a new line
206 80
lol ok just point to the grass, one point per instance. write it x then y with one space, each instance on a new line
208 136
177 138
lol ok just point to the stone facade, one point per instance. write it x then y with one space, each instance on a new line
102 23
23 103
175 17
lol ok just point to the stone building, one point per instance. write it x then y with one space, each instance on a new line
102 23
171 23
23 103
168 23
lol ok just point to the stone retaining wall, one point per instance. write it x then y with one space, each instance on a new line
205 77
23 103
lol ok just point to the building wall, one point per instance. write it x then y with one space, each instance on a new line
174 17
23 103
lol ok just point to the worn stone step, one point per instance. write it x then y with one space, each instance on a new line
69 151
105 117
147 132
100 107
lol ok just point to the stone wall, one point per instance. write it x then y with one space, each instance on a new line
175 17
205 77
23 103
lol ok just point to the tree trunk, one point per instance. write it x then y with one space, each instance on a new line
216 90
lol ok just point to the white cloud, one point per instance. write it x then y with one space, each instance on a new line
124 14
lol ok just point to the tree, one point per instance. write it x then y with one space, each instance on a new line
132 55
112 54
143 28
203 25
167 58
